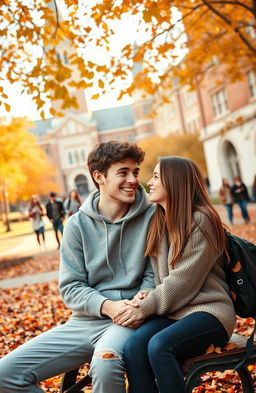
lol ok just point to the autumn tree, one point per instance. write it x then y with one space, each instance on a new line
24 169
182 38
43 48
183 145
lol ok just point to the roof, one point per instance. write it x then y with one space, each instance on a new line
111 118
41 127
106 119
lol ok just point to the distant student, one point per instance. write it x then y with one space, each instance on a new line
240 193
72 203
254 189
35 213
227 199
56 214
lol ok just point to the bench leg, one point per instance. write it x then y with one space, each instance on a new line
69 383
68 379
246 380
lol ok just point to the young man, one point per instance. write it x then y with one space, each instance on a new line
56 214
102 264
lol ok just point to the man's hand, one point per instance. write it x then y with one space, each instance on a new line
140 295
129 316
110 307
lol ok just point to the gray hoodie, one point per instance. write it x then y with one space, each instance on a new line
101 259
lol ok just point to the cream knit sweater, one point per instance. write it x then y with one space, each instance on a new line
195 283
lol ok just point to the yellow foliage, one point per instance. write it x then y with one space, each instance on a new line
24 169
31 51
187 145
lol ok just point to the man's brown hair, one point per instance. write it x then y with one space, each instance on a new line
107 153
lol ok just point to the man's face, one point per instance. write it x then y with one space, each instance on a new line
121 182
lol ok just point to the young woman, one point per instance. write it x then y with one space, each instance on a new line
191 302
72 203
35 213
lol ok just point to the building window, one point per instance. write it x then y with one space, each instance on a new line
251 31
193 126
82 156
48 152
189 98
81 185
77 157
70 158
251 77
131 137
219 103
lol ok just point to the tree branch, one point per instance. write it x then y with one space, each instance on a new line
228 21
250 9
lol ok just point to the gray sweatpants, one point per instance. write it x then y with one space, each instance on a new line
64 348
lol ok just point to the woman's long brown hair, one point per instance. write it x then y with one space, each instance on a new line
186 193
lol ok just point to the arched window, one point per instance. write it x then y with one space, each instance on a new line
81 185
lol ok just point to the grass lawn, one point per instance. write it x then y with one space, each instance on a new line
20 228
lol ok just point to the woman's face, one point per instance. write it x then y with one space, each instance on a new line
157 192
73 195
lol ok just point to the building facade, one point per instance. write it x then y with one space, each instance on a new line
225 116
68 140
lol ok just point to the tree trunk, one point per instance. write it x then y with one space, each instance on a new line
6 211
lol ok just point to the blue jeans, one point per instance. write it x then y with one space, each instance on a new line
154 352
229 209
57 225
243 207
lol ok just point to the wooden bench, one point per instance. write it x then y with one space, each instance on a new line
193 368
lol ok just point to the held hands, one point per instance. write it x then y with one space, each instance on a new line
110 307
125 312
131 315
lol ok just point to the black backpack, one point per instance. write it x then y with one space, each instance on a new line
241 277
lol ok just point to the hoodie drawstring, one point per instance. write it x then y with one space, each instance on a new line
120 245
107 256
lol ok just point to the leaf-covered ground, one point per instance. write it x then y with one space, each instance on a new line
29 310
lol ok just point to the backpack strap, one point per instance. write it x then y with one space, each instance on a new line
249 348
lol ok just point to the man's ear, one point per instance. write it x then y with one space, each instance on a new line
98 177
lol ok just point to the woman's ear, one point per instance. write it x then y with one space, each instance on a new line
98 177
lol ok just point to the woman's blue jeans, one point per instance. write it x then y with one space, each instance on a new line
154 352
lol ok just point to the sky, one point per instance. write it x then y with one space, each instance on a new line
22 104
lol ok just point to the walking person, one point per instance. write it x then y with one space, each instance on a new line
227 199
35 213
191 302
101 266
56 214
72 203
241 196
